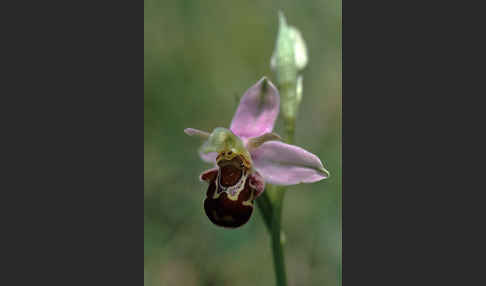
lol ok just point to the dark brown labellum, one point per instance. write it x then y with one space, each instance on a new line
229 199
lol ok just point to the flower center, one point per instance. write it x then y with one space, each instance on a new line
230 171
230 175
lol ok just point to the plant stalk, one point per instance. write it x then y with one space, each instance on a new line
270 204
277 239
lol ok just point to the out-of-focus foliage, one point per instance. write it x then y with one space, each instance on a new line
199 58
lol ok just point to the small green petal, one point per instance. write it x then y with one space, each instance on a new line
255 142
222 139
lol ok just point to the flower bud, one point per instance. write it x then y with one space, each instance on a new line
289 57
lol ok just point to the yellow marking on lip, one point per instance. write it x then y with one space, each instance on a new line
226 155
233 198
232 192
216 194
228 195
231 154
249 201
240 185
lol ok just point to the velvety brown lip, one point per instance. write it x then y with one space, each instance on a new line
230 175
225 212
230 171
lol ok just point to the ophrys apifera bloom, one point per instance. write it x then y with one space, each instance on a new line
247 155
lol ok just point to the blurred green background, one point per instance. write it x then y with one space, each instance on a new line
199 58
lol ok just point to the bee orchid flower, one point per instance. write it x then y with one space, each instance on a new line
247 155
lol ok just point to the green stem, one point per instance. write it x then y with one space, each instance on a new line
290 128
276 230
277 238
270 205
265 206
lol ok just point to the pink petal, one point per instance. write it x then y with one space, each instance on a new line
196 132
257 111
209 157
284 164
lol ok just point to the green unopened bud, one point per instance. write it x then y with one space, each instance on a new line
290 49
289 57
